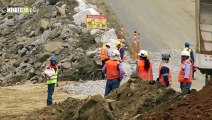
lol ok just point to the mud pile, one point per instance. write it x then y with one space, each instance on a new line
131 100
197 105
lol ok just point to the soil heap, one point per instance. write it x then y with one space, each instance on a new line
131 100
197 105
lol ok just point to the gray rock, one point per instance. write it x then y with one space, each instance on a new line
92 53
17 62
44 57
137 117
66 45
6 56
22 52
31 74
20 17
32 33
55 33
42 39
66 65
10 22
62 9
52 46
54 13
98 39
35 78
18 78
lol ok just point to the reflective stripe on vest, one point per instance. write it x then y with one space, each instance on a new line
181 75
53 78
112 72
161 76
104 55
144 74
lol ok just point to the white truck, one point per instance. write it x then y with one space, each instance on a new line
204 37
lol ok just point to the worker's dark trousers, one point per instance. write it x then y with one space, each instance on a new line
103 64
111 85
50 93
182 85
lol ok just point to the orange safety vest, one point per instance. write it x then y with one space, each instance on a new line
181 74
161 78
112 72
104 55
144 74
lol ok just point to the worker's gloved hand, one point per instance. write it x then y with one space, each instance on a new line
57 85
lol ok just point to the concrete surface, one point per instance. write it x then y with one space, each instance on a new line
163 23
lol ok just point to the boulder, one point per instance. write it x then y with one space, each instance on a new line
22 52
43 24
18 78
54 13
6 56
65 65
79 18
16 63
62 9
52 46
42 39
30 74
55 33
44 57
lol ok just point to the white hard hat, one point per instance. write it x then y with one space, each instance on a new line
143 53
115 53
108 44
185 53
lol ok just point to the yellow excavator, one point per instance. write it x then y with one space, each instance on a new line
204 37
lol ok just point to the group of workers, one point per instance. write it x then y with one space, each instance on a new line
112 67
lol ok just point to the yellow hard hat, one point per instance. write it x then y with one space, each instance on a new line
118 43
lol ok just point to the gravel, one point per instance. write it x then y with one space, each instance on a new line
98 87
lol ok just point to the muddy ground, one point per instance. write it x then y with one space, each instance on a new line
197 106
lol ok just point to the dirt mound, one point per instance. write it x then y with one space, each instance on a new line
94 107
137 97
197 105
132 99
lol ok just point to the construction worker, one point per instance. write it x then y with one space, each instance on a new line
185 74
187 48
52 79
144 66
105 56
114 72
164 71
120 49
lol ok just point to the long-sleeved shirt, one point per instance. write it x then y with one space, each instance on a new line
121 70
187 70
108 52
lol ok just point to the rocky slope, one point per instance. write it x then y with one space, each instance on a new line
28 40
